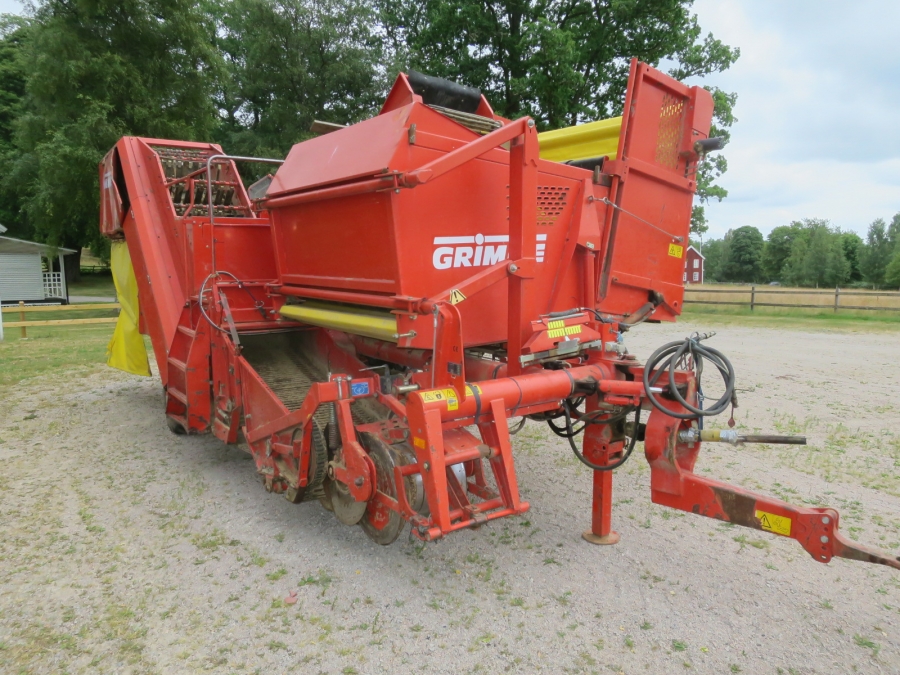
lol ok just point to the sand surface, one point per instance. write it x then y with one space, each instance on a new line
126 549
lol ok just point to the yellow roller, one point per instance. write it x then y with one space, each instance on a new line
594 139
356 320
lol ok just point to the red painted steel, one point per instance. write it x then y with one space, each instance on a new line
508 277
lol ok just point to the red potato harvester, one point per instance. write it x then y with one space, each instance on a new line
372 316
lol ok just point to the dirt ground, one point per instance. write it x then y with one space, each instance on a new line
126 549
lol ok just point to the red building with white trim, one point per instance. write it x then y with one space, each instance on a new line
693 266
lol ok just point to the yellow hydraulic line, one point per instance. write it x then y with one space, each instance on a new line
594 139
356 320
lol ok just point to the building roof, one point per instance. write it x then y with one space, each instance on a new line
693 248
12 245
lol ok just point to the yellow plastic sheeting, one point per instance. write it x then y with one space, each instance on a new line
356 320
594 139
126 350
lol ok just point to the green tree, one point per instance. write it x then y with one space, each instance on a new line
877 253
853 248
13 35
562 62
817 255
893 232
778 249
892 272
712 252
292 61
742 257
98 70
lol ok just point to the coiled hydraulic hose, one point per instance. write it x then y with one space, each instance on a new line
667 358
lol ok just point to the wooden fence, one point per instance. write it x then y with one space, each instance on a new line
22 309
800 298
95 269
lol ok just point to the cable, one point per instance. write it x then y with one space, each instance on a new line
667 358
257 304
200 305
609 467
586 419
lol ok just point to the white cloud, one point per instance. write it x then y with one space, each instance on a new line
817 133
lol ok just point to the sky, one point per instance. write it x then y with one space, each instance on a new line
818 130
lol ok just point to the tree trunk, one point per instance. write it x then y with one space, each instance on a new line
73 267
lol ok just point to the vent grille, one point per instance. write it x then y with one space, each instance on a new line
671 123
551 202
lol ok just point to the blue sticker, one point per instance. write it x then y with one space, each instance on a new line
359 388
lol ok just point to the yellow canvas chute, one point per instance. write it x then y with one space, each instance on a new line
594 139
126 350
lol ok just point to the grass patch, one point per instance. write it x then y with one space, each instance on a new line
51 349
276 575
863 641
94 285
213 541
768 317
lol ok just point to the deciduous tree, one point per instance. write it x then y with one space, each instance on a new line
98 70
877 253
742 258
562 62
13 34
289 62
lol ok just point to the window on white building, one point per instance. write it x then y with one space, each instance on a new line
696 276
685 277
696 263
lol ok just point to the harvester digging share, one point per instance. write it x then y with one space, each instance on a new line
380 316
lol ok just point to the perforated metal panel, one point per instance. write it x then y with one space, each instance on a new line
671 122
551 202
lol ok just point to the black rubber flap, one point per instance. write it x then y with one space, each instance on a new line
444 93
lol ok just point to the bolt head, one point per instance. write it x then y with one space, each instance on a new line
513 268
530 123
359 481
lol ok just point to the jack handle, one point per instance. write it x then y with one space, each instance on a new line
674 484
693 435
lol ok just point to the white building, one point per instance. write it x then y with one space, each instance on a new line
22 275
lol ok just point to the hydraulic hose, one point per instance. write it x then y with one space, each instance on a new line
594 417
667 358
570 436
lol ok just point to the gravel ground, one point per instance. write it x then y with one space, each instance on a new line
125 549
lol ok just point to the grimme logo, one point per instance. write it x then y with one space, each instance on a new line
477 251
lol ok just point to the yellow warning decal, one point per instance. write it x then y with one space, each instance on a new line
772 523
456 296
448 395
676 251
568 330
559 323
472 389
419 442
